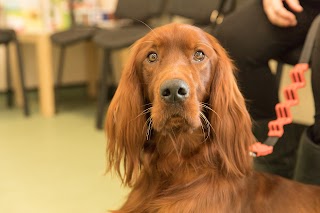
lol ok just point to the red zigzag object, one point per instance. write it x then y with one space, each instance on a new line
283 112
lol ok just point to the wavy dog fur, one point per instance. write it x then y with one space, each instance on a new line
189 154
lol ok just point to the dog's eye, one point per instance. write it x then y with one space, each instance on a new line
199 55
152 57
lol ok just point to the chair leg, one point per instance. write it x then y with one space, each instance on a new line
21 69
112 86
59 73
105 69
8 70
60 66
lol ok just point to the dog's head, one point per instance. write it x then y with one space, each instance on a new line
178 80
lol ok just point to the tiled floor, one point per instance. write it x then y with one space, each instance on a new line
55 165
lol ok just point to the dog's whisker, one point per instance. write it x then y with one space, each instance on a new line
203 117
148 123
145 24
203 131
206 136
144 112
209 108
148 104
208 124
145 125
206 106
149 129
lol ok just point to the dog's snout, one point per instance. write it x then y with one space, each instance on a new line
174 90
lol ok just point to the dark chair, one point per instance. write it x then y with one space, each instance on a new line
6 37
205 14
139 11
66 38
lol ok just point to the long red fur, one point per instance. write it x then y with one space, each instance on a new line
190 163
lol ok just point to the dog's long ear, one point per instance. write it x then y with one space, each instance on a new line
231 121
125 122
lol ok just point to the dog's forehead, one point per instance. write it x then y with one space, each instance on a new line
174 34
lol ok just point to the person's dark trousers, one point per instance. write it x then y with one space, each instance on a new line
283 159
252 41
315 80
308 164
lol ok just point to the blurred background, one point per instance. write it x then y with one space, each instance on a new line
60 62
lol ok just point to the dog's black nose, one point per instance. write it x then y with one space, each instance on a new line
174 90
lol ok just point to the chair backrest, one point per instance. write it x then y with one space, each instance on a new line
138 9
200 10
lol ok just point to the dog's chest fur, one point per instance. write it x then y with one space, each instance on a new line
224 195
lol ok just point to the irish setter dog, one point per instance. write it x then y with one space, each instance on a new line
179 133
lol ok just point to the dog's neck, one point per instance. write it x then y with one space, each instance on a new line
175 155
174 165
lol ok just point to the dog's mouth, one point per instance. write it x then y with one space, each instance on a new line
175 122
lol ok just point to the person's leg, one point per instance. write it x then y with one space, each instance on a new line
308 164
315 80
252 41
